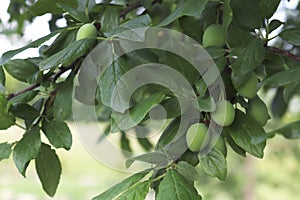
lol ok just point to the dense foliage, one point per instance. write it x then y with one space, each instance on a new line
236 35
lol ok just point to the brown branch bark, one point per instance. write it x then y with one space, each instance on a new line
284 53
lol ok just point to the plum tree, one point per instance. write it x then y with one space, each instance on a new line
224 113
248 89
220 145
214 36
86 31
195 136
258 111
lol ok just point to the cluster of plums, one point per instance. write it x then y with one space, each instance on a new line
224 114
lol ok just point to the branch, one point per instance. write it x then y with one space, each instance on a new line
284 53
53 78
134 6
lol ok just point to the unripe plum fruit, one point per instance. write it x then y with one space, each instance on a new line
195 136
258 111
86 31
214 36
224 113
248 89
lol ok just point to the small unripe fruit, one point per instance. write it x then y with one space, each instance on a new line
86 31
248 89
214 36
258 111
224 113
195 136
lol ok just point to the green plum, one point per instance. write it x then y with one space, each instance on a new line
86 31
248 89
258 111
224 113
195 136
214 36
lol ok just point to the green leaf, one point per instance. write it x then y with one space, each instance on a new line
68 55
5 150
7 120
235 147
119 188
290 90
22 70
291 35
227 14
8 55
282 78
125 145
58 134
74 12
289 131
274 24
2 76
214 164
172 108
176 187
168 134
24 97
206 104
249 58
247 134
247 13
48 168
42 7
126 30
24 111
108 83
110 19
62 106
215 52
136 114
278 105
268 7
185 8
187 171
27 149
137 191
156 157
63 40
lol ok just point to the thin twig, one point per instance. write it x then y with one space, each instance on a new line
284 53
53 78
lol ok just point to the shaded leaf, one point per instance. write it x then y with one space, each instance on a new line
156 157
176 187
247 134
24 111
62 106
5 150
27 149
214 164
185 8
42 7
58 134
282 78
137 191
289 131
136 114
187 171
110 19
268 7
291 35
119 188
74 12
68 55
48 168
8 55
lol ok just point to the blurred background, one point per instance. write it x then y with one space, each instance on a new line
275 177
